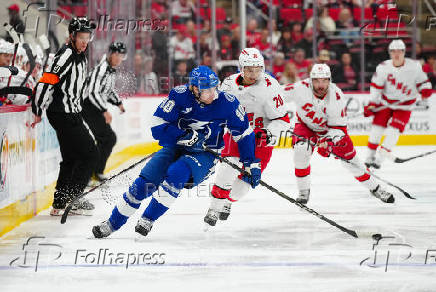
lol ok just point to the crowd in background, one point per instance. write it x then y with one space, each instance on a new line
288 51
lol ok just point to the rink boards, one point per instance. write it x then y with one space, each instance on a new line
30 157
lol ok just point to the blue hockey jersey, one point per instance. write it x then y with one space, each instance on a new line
181 111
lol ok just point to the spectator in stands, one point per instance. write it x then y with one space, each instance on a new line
236 41
264 45
225 29
347 26
306 43
226 51
276 34
180 47
297 32
302 64
430 68
204 44
285 44
159 44
419 55
181 73
290 74
323 57
159 9
278 64
182 11
326 23
190 31
151 85
345 73
206 60
253 36
139 71
15 21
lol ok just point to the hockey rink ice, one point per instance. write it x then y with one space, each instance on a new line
267 244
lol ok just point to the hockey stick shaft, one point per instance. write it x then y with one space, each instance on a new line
281 194
405 193
402 160
70 205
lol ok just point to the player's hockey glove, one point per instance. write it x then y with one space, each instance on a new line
332 139
325 147
263 137
193 141
254 173
368 110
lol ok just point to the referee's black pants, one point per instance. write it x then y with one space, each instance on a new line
79 156
103 134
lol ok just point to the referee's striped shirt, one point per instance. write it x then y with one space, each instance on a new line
61 87
101 85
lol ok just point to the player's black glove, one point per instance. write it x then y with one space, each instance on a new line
263 137
192 140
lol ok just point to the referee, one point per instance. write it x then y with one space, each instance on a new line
101 84
59 92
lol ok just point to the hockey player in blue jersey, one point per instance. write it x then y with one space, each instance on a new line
193 116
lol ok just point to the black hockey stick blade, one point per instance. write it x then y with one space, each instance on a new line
70 205
402 160
281 194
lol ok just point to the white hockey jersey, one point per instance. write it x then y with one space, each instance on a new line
319 115
398 87
16 80
262 101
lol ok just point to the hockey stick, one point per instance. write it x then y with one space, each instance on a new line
31 61
45 44
274 190
70 205
405 193
402 160
16 90
16 40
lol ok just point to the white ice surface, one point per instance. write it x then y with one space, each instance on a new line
268 244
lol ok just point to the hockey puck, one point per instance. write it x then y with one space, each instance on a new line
377 236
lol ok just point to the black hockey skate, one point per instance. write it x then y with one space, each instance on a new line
143 226
225 211
383 195
104 229
211 217
371 162
303 198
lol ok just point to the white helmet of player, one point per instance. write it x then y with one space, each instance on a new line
320 71
6 47
397 45
251 57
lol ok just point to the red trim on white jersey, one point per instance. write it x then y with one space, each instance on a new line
377 86
407 102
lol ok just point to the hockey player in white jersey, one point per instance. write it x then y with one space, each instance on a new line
261 97
321 124
7 49
395 87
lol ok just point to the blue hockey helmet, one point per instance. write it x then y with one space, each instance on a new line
203 77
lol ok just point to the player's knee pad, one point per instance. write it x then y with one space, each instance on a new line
302 154
178 174
391 137
375 136
225 174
